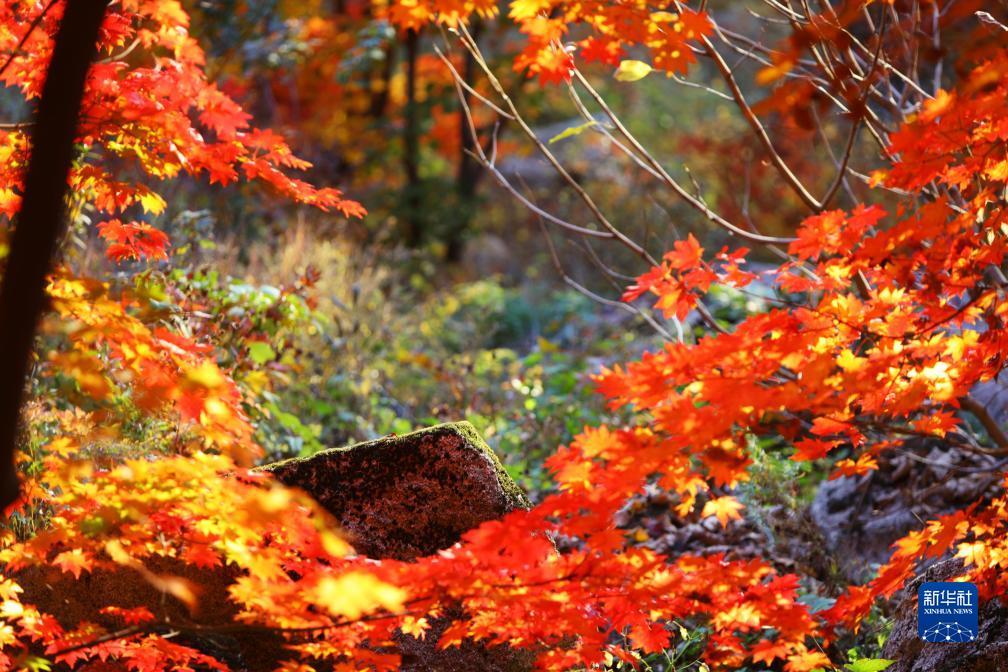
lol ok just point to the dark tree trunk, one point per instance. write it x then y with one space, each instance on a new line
41 220
380 98
412 217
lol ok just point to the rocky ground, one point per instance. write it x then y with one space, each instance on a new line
860 517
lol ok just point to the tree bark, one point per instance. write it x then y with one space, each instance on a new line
41 221
412 220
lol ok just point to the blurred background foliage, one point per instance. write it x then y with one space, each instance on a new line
379 343
444 303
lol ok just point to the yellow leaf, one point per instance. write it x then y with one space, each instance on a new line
152 203
118 554
334 544
206 376
725 508
545 345
11 609
9 590
7 636
264 567
522 10
415 627
356 593
631 71
563 135
850 362
87 370
772 73
257 381
664 17
62 446
181 589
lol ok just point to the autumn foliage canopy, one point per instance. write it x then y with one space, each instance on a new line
893 310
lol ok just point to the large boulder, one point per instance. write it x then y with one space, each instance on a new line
987 653
398 497
407 496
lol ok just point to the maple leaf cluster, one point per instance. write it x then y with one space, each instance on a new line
150 105
416 14
667 36
894 318
546 56
202 511
164 370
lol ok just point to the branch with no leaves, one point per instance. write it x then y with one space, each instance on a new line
658 170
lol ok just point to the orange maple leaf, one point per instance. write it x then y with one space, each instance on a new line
725 508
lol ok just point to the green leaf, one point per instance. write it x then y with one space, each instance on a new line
572 131
631 71
36 664
869 665
816 603
261 352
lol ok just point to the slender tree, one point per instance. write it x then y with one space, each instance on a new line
41 221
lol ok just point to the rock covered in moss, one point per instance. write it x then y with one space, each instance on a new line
407 496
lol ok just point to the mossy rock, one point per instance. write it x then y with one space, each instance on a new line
407 496
413 495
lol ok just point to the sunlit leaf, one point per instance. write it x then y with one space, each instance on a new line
631 71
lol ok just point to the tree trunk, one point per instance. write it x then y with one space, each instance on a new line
41 220
412 218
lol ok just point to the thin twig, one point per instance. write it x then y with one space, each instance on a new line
757 126
680 191
24 38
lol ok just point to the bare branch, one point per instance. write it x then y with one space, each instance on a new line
680 191
603 221
574 284
757 127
